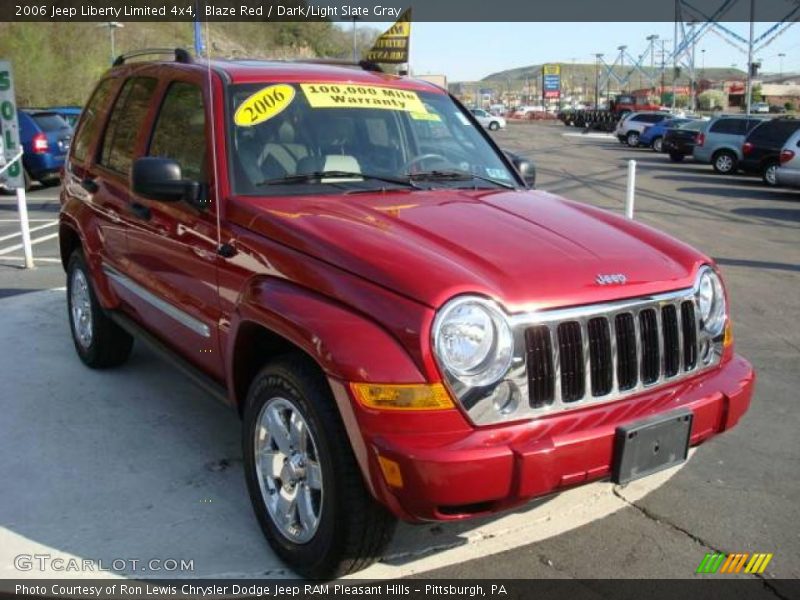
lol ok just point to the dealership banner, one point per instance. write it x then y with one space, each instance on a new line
388 11
551 81
406 589
392 47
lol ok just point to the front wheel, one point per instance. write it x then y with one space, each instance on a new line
632 139
99 341
304 483
769 174
494 126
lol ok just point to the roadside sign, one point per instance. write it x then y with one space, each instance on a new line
9 128
551 81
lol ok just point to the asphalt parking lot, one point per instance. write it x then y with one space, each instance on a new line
93 440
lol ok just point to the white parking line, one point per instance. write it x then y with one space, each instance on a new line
36 259
50 223
11 249
597 136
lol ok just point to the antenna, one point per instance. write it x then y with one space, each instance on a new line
222 249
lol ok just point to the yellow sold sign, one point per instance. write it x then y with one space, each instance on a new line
334 95
264 105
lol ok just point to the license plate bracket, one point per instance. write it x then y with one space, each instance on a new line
652 445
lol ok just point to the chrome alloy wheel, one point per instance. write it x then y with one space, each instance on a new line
724 163
288 470
81 305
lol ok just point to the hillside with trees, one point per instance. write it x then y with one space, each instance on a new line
58 63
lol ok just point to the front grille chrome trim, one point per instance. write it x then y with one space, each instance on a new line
553 318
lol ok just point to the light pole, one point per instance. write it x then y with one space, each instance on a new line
652 39
622 59
780 69
112 27
355 40
597 56
703 63
749 89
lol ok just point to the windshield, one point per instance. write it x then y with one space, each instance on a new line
337 138
693 125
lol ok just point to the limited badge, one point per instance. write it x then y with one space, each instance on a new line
265 104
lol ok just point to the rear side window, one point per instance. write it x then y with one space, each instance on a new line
50 122
92 120
731 126
125 123
180 131
774 132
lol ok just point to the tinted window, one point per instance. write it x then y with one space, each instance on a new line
777 131
50 122
125 123
180 131
92 119
732 126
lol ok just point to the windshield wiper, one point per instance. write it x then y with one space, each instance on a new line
456 175
318 176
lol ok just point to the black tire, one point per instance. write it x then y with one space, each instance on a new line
109 345
657 144
353 529
632 139
724 162
494 125
769 174
676 156
27 180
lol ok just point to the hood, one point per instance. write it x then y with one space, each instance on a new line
527 249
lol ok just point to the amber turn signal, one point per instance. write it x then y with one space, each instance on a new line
727 340
402 397
391 472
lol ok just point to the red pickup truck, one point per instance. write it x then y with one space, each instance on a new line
407 329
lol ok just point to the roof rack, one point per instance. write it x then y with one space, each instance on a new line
181 55
366 65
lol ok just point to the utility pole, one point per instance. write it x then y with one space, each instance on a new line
675 55
663 70
749 90
597 56
693 79
780 58
355 40
652 39
703 63
622 59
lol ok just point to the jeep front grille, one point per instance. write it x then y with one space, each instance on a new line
604 352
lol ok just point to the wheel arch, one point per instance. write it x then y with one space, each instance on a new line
69 240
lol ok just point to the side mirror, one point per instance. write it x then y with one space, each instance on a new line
160 179
524 167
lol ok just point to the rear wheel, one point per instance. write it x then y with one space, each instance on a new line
769 174
99 342
724 162
304 483
676 156
632 139
658 144
494 126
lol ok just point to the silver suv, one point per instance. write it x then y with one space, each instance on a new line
631 126
720 143
788 174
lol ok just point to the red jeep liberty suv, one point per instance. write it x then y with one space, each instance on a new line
407 329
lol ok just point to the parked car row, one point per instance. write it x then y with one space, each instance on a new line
45 136
729 143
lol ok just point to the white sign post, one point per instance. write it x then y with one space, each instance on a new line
12 175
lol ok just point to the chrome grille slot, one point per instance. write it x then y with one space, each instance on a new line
627 366
600 356
650 352
669 324
689 330
570 351
541 376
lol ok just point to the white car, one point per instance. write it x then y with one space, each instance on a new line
488 120
760 107
631 126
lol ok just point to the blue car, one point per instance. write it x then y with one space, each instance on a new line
653 136
69 113
45 138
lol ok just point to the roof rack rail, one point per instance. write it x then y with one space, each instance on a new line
366 65
181 55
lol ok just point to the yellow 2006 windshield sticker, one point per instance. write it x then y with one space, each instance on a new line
265 104
343 95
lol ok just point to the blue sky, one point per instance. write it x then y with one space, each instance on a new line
470 51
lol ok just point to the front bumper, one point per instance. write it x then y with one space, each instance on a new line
457 475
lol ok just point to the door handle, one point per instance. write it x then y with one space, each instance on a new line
141 211
89 185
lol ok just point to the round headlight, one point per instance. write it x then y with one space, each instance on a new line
711 302
473 341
